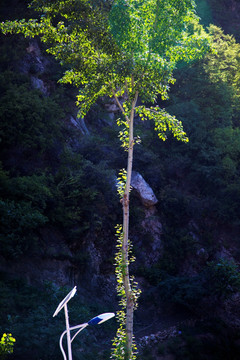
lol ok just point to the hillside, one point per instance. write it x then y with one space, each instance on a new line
59 205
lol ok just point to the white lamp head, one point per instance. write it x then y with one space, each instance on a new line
100 318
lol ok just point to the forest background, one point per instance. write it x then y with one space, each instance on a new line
59 204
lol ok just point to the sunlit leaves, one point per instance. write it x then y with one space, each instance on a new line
6 345
119 342
223 64
163 122
152 29
105 43
121 183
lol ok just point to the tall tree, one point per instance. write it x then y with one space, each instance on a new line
126 49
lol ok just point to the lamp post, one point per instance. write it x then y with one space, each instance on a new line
94 321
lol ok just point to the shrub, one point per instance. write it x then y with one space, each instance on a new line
222 278
6 345
216 282
18 222
28 119
182 290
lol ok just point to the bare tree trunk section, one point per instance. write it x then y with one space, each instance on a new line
125 249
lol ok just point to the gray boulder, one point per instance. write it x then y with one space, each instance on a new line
144 191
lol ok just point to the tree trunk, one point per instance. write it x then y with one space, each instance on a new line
125 245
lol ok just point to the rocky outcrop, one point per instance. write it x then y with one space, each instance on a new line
144 191
112 107
39 85
151 228
35 64
79 123
163 335
230 313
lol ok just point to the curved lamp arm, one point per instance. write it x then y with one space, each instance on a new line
94 321
80 327
60 344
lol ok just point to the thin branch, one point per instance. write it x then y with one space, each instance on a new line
120 105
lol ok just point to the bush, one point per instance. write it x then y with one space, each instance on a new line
6 345
182 290
216 282
28 120
18 222
222 278
34 189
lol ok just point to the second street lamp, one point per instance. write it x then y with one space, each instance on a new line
97 320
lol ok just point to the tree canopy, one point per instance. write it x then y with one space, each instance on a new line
106 43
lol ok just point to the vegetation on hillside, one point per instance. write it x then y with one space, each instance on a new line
127 50
46 182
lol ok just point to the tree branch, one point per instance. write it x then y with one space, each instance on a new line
120 105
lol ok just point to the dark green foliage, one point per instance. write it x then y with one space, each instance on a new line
27 119
46 182
183 291
178 247
208 340
152 274
18 222
223 278
22 204
35 189
57 184
204 11
202 292
199 181
82 192
12 51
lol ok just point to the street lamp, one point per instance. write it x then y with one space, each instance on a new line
94 321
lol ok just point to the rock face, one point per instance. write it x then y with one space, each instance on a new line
112 108
145 192
33 62
39 85
102 284
160 336
151 228
79 123
230 313
35 65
